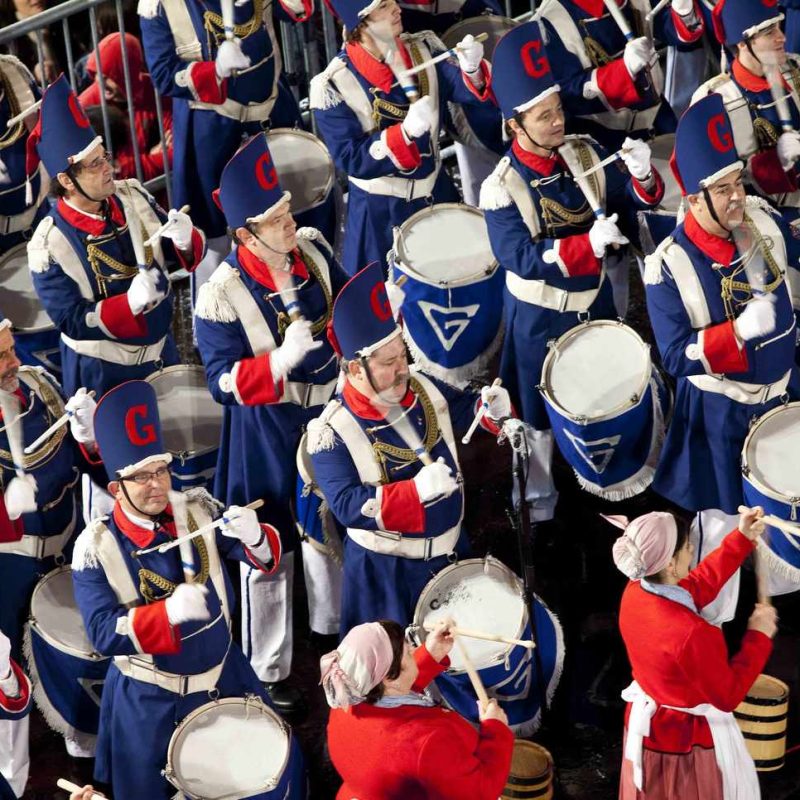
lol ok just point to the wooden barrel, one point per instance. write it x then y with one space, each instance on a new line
531 774
762 719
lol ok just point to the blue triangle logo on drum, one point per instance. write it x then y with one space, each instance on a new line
93 688
597 453
448 330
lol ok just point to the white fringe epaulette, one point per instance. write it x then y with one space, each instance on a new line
753 201
87 545
322 94
148 9
653 274
429 38
310 234
320 436
494 194
212 299
38 253
201 496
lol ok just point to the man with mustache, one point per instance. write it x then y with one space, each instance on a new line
403 518
751 30
720 302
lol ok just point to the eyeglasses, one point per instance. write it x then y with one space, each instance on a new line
98 163
143 478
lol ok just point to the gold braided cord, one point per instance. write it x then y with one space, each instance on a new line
9 136
316 327
385 453
596 52
215 26
766 133
98 257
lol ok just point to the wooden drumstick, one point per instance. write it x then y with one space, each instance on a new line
778 92
471 633
59 423
759 564
226 6
474 678
157 235
177 501
403 427
452 52
480 414
69 786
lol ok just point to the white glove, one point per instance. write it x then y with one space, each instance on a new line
81 408
604 233
638 54
497 401
187 603
179 230
396 298
788 148
297 341
242 524
230 58
469 54
419 119
144 290
682 7
20 496
636 157
757 319
435 480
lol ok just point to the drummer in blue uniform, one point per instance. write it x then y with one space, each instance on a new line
545 235
751 29
15 705
222 90
113 314
719 298
379 134
403 519
170 639
260 324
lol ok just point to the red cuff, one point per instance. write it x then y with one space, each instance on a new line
198 248
686 34
721 349
654 197
483 94
10 530
118 320
274 541
401 509
616 83
153 632
201 78
404 155
253 384
428 668
575 256
14 705
308 10
92 459
769 174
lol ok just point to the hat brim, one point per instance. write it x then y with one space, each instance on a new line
126 472
264 215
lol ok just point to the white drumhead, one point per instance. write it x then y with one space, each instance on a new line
18 300
596 369
772 451
445 245
55 613
496 27
661 148
191 420
477 594
229 748
304 166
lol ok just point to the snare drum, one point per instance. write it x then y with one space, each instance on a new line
232 748
191 424
36 339
454 290
66 672
771 478
486 595
491 24
306 170
607 407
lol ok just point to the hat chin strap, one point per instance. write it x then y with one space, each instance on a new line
550 150
713 211
81 191
136 508
271 249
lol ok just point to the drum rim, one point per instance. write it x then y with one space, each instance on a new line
37 328
417 619
182 455
463 22
583 419
747 472
252 700
395 255
331 166
92 656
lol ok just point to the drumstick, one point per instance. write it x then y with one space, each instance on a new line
227 18
69 786
136 235
480 414
453 51
59 423
776 89
13 426
616 14
586 189
22 114
474 678
405 430
157 235
601 164
471 633
656 8
162 548
177 501
762 574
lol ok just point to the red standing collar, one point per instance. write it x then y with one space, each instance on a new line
715 247
376 72
361 406
88 224
260 272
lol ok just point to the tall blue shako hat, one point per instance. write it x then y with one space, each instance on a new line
737 20
362 319
128 429
521 74
351 12
704 147
249 189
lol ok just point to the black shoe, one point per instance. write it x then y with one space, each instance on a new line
286 698
323 643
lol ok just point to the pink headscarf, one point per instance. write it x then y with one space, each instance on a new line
647 544
360 663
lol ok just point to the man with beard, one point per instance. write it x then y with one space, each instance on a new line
769 146
720 302
368 448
